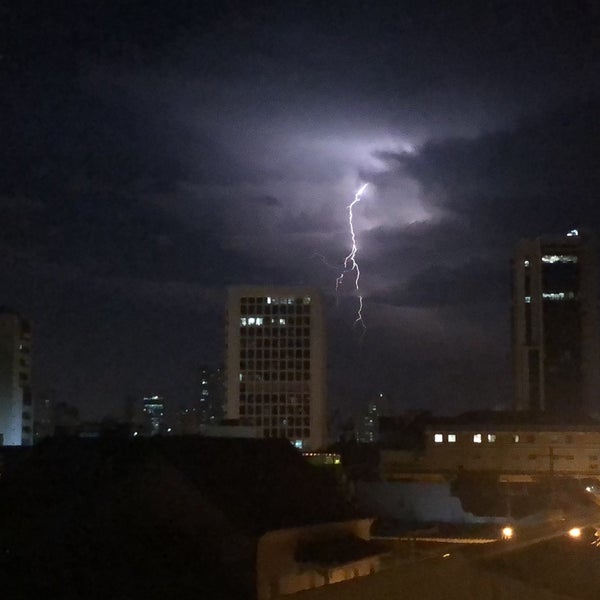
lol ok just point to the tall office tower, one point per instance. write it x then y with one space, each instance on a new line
211 401
16 406
555 326
276 362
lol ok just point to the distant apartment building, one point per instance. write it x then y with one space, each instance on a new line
153 415
555 325
514 448
276 363
207 408
16 406
512 445
45 404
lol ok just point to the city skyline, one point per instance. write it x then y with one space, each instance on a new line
152 158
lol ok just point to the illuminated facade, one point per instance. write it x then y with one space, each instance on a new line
554 318
276 361
16 406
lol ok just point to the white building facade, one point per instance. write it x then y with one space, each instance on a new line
276 363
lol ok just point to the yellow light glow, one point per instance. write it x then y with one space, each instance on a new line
575 532
507 533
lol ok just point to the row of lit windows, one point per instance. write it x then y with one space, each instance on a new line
491 438
266 321
273 300
275 376
554 296
555 258
277 321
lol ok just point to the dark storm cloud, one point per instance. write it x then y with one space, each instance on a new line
472 283
541 177
152 155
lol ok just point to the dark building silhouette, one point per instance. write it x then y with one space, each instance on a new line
554 318
154 517
211 404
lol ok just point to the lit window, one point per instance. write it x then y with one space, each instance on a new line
491 438
516 438
477 438
282 321
251 320
268 299
452 438
558 295
243 321
527 299
559 258
525 263
438 438
573 233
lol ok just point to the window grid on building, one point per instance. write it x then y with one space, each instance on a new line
275 349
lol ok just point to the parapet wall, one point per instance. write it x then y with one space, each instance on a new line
279 573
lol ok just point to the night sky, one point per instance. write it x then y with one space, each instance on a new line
153 153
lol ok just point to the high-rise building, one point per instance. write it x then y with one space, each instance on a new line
276 362
368 430
154 415
16 406
211 401
555 325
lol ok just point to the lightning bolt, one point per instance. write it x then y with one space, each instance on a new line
350 264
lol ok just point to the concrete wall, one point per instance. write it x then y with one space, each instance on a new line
278 572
